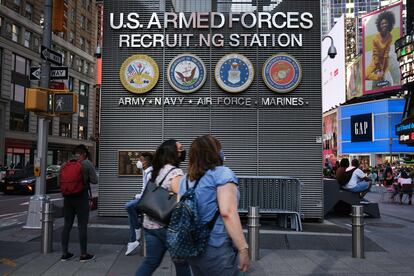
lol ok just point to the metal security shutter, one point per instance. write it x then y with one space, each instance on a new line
257 140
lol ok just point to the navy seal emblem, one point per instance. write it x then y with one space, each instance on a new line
282 73
186 73
234 73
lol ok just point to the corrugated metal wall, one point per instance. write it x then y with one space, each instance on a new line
276 141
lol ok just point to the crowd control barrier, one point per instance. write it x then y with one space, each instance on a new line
273 195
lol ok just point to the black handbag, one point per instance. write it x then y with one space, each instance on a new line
157 202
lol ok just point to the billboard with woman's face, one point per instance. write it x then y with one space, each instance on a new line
380 29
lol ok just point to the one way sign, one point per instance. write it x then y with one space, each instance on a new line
50 55
56 73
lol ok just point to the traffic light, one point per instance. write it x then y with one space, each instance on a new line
36 99
60 9
64 102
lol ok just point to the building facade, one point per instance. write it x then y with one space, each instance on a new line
20 41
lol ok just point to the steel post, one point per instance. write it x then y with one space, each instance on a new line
47 227
253 232
358 231
36 201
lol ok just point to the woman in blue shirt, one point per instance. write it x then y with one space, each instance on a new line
216 190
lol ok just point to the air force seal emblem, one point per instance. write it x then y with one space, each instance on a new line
139 74
186 73
234 73
282 73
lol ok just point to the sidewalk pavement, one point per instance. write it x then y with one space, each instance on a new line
321 249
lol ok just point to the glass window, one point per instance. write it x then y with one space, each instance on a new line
65 127
83 89
18 94
71 37
70 61
27 38
86 68
82 113
70 83
20 65
82 43
82 22
89 25
87 46
29 11
15 33
16 5
72 15
82 132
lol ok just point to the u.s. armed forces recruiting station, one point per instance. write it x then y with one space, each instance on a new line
213 20
233 73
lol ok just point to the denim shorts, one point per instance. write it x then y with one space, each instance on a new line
221 261
360 187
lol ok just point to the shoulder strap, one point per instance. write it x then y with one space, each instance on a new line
166 175
212 222
195 185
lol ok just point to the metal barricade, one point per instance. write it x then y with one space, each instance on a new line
358 231
274 195
253 233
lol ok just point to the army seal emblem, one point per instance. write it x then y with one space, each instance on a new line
139 74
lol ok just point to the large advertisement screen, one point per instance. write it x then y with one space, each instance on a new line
354 79
380 30
333 69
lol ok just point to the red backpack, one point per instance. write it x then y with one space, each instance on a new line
71 181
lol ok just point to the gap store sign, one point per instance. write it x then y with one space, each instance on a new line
246 73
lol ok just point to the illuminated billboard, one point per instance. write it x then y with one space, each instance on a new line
380 30
333 70
354 79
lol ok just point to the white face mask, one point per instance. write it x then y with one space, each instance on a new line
139 165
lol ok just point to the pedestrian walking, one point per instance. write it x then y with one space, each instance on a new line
145 165
166 173
217 197
75 178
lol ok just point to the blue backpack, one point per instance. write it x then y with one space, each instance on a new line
186 235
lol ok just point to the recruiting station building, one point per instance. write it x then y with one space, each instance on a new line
256 87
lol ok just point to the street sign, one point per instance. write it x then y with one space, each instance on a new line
50 55
35 73
56 73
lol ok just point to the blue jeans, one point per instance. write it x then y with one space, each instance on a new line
360 187
221 261
156 246
134 220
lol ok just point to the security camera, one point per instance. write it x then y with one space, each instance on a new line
332 51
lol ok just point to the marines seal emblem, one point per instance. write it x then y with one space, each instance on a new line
234 73
139 74
186 73
282 73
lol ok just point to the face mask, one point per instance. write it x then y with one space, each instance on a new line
222 157
182 155
139 165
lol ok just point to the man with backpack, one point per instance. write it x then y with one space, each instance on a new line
145 165
75 178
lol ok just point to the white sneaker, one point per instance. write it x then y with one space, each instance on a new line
131 246
138 234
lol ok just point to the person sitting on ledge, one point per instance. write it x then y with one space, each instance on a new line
359 182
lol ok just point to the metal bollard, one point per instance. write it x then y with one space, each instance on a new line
253 233
47 227
358 250
143 243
